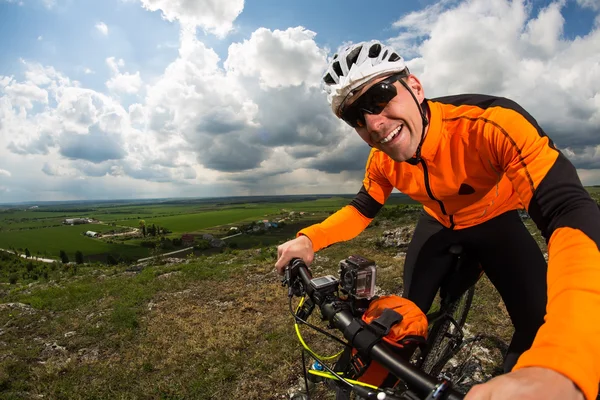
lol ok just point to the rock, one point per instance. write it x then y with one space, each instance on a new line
53 349
88 355
218 243
168 275
399 237
69 334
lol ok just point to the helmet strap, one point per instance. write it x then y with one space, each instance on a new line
415 160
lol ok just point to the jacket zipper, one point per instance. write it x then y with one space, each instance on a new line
430 193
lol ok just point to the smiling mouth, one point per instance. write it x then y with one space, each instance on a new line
392 134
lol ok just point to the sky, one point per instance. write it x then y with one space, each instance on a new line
124 99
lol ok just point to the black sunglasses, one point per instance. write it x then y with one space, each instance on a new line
373 101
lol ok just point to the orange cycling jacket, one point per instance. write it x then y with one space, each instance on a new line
483 156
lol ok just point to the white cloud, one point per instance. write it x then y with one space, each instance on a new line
49 3
6 173
213 16
88 71
25 94
278 58
102 28
593 4
122 82
497 47
257 122
40 37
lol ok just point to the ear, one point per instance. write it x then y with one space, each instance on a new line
414 83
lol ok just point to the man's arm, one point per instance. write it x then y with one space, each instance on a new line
569 340
351 220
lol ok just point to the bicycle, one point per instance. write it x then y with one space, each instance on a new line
343 315
445 337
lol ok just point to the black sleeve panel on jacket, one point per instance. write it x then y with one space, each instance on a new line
485 101
560 200
365 204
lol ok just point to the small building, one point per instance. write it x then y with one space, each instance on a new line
76 221
187 239
92 234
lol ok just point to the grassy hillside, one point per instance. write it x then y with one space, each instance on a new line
214 326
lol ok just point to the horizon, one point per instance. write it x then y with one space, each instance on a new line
131 200
211 98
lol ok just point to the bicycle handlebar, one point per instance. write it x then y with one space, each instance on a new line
341 318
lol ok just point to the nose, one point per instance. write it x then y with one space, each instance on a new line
374 122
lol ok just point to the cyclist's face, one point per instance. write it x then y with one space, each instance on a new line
397 129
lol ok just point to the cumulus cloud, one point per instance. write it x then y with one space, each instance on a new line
5 173
213 16
592 4
102 28
257 122
278 58
500 48
25 94
122 82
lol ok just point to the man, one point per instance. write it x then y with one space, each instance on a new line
473 161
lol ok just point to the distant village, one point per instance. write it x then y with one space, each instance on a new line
188 239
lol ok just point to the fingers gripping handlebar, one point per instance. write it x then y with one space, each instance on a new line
298 279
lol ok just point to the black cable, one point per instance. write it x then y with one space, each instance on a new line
313 355
297 318
305 375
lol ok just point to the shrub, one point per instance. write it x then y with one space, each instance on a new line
63 257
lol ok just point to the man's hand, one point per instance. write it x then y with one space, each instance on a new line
301 247
527 384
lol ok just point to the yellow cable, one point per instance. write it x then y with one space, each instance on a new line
302 340
331 376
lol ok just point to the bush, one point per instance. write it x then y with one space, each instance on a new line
13 278
148 243
202 245
79 257
63 257
111 260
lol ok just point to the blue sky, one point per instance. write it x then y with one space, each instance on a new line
234 108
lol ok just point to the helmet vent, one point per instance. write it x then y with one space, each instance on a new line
353 56
374 51
328 79
337 68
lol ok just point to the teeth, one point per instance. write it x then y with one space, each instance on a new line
391 135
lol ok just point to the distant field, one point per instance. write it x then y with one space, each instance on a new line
22 227
196 222
49 241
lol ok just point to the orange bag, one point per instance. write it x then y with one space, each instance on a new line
405 336
413 324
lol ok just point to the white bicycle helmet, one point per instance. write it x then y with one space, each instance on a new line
355 65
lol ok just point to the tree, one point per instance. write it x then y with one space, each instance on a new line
63 257
111 260
142 224
79 257
27 253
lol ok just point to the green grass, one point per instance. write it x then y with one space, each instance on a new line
49 241
197 222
